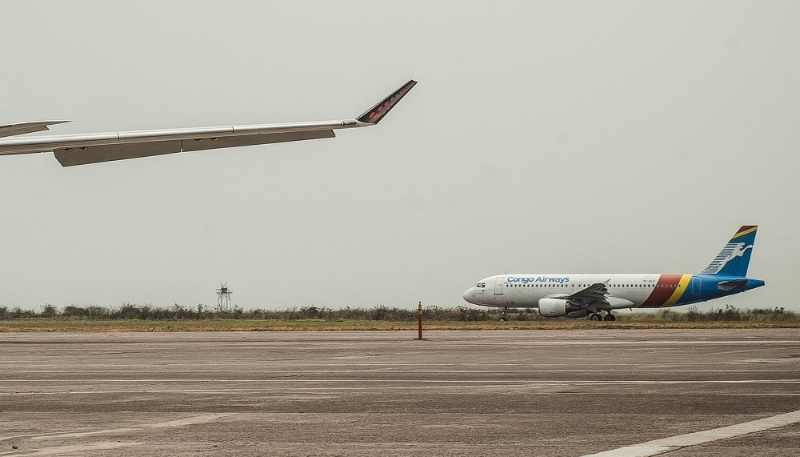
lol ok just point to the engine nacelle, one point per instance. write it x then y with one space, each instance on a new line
556 307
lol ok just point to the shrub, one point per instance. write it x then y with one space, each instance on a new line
382 313
49 311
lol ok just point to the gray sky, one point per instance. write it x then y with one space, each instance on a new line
543 137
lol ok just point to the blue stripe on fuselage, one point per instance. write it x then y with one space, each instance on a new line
706 287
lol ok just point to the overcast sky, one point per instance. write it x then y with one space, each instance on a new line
543 137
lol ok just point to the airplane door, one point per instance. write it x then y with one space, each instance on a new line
498 286
696 286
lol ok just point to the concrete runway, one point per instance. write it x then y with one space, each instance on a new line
565 393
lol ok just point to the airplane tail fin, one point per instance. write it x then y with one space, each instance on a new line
734 258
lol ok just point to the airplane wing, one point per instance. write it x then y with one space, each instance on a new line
595 293
83 149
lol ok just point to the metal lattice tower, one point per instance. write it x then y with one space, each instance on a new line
224 297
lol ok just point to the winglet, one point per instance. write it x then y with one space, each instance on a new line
26 127
377 112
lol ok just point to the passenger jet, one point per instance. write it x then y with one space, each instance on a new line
83 149
581 295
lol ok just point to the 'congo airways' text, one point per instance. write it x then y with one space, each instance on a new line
539 279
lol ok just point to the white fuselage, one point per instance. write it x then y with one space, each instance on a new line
525 290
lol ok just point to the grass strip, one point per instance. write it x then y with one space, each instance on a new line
222 325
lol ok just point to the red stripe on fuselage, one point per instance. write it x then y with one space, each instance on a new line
664 289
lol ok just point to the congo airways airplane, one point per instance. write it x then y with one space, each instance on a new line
83 149
580 295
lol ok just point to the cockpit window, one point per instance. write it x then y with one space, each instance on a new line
481 284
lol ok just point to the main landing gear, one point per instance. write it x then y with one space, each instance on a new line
600 317
504 316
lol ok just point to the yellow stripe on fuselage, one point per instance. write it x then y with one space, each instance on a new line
676 294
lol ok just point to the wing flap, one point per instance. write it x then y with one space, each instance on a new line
251 140
69 157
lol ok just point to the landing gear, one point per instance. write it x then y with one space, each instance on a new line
504 316
599 317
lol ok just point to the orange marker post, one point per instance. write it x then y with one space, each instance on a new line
419 319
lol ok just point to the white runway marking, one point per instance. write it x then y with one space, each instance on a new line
643 343
133 428
60 450
690 439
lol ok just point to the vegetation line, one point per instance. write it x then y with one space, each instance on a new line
130 317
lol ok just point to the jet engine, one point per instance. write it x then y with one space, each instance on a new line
555 307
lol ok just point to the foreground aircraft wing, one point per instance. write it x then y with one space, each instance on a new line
106 147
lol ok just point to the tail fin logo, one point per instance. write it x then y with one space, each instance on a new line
728 253
734 258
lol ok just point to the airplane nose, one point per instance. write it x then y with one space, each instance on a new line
468 296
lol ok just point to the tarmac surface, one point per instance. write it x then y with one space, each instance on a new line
552 392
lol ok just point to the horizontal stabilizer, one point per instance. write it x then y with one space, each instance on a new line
732 284
26 127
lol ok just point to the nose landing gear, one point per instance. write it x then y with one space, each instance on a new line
504 316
